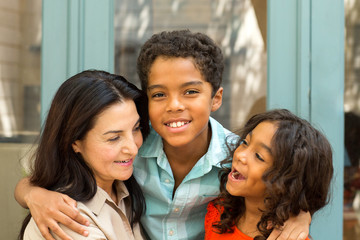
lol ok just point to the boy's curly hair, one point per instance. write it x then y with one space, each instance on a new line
206 55
298 180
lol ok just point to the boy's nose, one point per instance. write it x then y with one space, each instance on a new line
175 105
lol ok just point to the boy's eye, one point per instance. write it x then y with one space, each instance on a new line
189 92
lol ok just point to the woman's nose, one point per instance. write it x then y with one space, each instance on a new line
130 147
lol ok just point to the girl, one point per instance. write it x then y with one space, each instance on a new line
281 166
92 134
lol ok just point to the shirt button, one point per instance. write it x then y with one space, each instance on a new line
176 209
167 180
171 232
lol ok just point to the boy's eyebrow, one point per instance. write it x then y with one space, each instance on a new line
182 85
120 131
192 83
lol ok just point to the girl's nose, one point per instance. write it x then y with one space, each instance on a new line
240 155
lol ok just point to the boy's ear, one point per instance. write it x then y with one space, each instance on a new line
217 100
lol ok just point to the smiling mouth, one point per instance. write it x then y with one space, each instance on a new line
177 124
126 161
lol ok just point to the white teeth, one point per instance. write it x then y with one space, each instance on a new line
123 161
176 124
235 175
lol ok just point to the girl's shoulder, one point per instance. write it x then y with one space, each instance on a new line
213 213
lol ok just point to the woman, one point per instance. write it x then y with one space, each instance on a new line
281 166
92 133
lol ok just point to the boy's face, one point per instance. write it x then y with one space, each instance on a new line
180 102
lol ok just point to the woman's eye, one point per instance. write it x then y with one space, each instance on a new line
158 95
114 139
138 128
259 157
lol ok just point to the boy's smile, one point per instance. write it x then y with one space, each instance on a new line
180 102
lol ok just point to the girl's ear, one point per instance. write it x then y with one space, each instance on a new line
217 100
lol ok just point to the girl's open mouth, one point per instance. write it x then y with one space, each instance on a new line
234 174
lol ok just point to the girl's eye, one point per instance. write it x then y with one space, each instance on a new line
259 157
243 142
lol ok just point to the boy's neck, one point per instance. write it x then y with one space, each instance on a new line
183 159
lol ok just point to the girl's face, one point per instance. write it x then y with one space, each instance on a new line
110 147
251 159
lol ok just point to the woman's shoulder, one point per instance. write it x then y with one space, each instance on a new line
32 232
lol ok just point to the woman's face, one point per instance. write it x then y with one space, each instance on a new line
110 147
251 159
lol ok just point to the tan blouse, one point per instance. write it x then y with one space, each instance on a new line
107 219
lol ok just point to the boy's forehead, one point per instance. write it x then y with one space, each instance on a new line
169 68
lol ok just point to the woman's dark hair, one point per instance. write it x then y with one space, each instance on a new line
73 112
206 55
299 178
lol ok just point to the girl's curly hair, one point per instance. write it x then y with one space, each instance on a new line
298 180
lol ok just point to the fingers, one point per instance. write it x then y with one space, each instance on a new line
45 232
302 236
74 226
48 209
295 228
69 200
54 226
279 234
274 234
72 212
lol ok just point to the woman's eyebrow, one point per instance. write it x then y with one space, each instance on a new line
120 131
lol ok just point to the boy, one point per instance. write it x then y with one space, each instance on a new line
177 166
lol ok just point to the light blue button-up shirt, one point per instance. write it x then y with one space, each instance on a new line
181 217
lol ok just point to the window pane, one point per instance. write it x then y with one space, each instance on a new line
238 27
20 41
352 121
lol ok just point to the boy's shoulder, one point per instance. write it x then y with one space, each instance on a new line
152 146
220 132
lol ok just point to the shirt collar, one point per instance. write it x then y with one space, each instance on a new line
97 202
217 151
